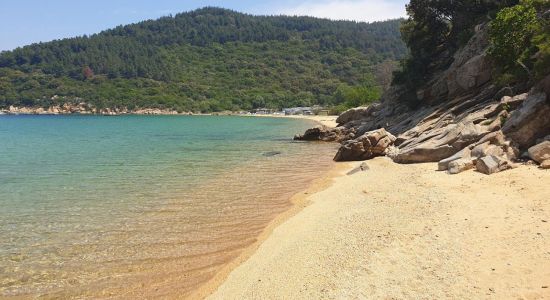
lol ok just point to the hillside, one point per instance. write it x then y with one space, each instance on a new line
209 59
480 103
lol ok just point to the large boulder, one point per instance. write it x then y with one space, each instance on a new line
435 145
492 164
529 122
371 144
354 114
325 134
540 152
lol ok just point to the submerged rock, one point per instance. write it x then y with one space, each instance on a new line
272 153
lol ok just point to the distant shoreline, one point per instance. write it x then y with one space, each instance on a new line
329 121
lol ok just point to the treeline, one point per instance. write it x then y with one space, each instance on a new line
209 59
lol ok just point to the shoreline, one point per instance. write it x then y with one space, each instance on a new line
328 121
298 202
420 233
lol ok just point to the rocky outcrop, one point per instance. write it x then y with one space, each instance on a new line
435 145
530 121
369 145
325 134
355 114
466 121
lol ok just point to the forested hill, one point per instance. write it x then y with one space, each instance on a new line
209 59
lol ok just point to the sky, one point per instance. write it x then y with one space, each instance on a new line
23 22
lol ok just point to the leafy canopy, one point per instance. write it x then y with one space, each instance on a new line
520 41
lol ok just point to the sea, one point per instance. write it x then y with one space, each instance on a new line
141 206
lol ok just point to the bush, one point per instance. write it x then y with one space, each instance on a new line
520 42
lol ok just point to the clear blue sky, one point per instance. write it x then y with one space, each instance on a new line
24 22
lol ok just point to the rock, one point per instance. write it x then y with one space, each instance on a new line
443 164
487 165
355 114
436 145
362 167
545 164
461 165
529 122
369 145
325 134
272 153
486 149
474 73
492 164
540 152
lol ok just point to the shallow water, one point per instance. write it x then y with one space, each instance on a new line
140 205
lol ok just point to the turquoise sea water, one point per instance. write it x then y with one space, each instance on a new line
95 206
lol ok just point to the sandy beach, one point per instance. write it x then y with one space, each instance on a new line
407 232
329 121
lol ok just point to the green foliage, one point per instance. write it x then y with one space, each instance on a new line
520 42
206 60
434 31
347 97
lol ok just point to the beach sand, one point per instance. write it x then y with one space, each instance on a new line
407 232
329 121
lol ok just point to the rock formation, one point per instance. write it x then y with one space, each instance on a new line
326 134
466 121
369 145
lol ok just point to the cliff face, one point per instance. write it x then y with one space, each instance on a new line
463 111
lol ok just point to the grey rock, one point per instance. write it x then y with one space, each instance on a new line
492 164
529 122
540 152
487 165
325 134
367 146
360 168
443 164
272 153
354 114
461 165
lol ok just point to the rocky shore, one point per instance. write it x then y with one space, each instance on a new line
467 122
86 109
